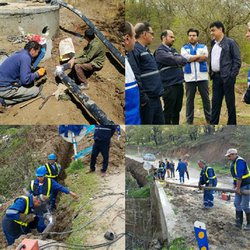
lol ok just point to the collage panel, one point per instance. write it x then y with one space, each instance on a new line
62 187
61 62
187 187
187 63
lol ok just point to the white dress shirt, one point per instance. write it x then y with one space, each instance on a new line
215 57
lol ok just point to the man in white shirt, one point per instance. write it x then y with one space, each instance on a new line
196 75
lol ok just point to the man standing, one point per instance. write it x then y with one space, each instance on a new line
196 75
224 67
145 69
170 65
132 95
16 77
19 218
241 176
182 168
207 178
102 137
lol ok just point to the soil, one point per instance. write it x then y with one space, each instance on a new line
106 86
219 221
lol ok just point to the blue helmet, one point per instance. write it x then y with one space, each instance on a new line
41 171
52 157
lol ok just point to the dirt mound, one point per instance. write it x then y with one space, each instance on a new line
219 221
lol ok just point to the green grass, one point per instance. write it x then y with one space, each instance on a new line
143 192
75 166
179 244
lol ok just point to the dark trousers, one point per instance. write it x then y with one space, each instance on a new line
173 96
103 147
221 89
191 88
152 112
83 71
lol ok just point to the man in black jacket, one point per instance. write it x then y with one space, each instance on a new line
146 72
225 64
170 66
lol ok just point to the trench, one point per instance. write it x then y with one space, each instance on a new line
145 228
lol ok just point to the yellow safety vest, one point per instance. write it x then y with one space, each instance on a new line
206 173
26 211
50 172
49 181
235 169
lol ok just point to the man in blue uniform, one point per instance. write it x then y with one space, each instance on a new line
19 218
161 170
102 137
53 168
182 168
241 176
207 178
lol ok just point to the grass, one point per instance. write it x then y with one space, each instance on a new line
85 187
143 192
179 244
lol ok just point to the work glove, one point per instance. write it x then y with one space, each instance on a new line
41 72
27 218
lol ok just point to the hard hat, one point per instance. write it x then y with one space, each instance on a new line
231 151
51 157
41 171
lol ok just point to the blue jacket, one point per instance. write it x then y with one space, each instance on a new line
16 69
18 207
39 189
230 60
170 65
182 167
208 177
104 132
146 71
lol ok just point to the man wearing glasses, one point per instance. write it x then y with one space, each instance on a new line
146 72
241 176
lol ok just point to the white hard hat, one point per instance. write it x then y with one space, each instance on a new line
231 151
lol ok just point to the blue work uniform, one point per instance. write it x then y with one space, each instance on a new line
102 137
14 226
240 171
162 171
182 168
208 178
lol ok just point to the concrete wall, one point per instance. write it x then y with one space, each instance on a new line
31 19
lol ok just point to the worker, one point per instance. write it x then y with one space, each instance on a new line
161 171
102 137
168 168
91 60
172 168
207 178
19 218
53 167
241 180
48 187
16 78
182 168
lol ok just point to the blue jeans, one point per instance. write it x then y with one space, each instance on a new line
181 175
242 202
208 198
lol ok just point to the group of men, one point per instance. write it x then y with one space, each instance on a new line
167 167
241 181
20 71
27 212
152 76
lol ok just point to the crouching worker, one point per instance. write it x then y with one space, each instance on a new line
207 178
47 186
20 218
16 77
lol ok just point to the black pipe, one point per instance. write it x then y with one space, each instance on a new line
106 42
90 105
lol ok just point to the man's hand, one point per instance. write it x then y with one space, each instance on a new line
41 72
74 195
238 190
202 58
71 62
27 218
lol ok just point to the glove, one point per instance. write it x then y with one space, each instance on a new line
41 71
27 217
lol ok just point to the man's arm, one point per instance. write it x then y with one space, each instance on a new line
235 52
26 76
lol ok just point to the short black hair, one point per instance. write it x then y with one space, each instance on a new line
164 34
141 28
218 25
127 29
193 30
32 45
89 33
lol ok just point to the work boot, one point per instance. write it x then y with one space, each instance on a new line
90 171
83 86
247 226
239 219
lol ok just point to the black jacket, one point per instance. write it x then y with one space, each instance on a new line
146 71
170 64
230 61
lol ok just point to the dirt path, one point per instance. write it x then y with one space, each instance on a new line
106 86
219 221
